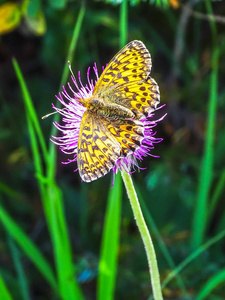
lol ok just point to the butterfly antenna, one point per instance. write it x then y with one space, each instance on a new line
46 116
69 64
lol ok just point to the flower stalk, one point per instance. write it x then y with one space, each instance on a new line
145 235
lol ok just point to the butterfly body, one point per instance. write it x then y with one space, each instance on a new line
112 126
107 109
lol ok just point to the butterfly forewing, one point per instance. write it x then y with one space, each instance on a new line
130 65
126 81
141 98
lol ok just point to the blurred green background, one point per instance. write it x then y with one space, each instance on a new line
52 224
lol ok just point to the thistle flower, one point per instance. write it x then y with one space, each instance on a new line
108 123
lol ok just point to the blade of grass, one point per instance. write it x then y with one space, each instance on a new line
28 247
151 224
36 156
160 3
217 193
52 202
53 207
24 290
31 115
30 107
192 256
205 181
76 33
110 244
211 284
123 23
62 249
9 191
60 238
73 44
4 291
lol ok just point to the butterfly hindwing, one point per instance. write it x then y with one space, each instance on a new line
98 150
129 134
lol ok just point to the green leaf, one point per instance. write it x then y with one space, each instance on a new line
59 4
151 224
10 14
65 73
5 295
52 201
211 284
160 3
207 166
23 283
28 247
31 110
36 24
69 289
34 17
110 244
193 256
33 8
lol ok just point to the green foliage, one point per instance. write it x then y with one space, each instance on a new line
59 236
52 202
200 217
10 15
28 247
29 12
109 254
212 283
160 3
4 291
22 280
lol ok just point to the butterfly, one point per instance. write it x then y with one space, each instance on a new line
112 126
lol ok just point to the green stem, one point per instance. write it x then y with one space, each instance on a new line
145 235
123 23
150 222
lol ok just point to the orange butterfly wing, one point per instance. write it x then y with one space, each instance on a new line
124 82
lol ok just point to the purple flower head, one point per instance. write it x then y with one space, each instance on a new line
101 126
